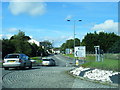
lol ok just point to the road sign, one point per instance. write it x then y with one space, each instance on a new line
80 51
67 51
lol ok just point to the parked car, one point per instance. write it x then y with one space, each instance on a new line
48 62
16 61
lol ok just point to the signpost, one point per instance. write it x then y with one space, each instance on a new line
80 51
67 51
101 55
97 52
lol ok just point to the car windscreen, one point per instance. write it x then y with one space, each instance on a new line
12 56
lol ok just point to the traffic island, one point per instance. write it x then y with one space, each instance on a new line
97 75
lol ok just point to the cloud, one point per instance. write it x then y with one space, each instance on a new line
60 40
12 29
59 36
57 41
68 17
31 36
31 8
6 36
0 36
107 26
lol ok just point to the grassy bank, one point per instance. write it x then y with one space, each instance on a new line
38 60
0 62
107 64
112 56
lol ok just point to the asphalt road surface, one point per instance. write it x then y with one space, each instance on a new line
47 77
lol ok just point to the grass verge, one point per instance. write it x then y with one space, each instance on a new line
107 64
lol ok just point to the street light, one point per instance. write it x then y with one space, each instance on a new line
74 33
52 46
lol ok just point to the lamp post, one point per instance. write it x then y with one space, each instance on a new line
52 46
74 21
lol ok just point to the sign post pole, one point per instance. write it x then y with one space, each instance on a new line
97 52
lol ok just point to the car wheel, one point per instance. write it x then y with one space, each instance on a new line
30 66
6 68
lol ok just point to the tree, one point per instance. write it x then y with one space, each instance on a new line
63 47
20 42
41 52
70 44
90 40
47 46
104 40
7 47
34 49
116 47
20 36
77 42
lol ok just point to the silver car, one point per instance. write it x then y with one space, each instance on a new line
16 61
48 62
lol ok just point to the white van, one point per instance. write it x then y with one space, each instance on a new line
16 61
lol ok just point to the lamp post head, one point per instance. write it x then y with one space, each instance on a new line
79 20
68 20
74 20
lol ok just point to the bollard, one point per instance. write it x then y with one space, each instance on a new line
77 62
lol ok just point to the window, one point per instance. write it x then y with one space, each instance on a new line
26 57
12 56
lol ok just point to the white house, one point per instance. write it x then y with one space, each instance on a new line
34 41
56 51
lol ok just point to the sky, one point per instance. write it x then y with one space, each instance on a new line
48 20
